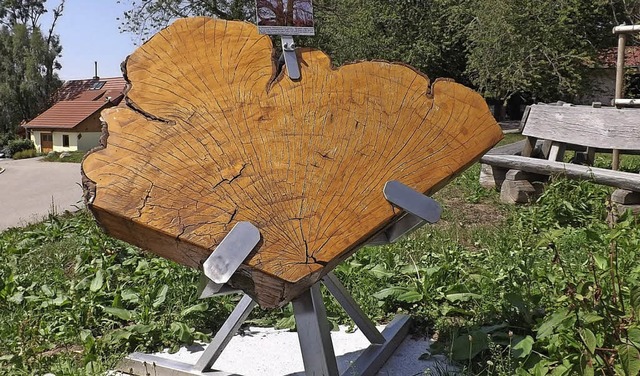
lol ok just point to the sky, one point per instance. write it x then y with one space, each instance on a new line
88 32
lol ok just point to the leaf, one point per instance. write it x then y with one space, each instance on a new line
17 298
390 291
141 328
60 300
47 291
548 326
630 359
541 368
586 365
201 307
380 271
601 262
462 296
182 331
120 313
633 335
288 322
467 346
523 348
635 298
410 296
590 318
130 296
119 334
85 334
589 339
161 296
97 282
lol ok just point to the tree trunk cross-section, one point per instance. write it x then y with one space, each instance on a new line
212 135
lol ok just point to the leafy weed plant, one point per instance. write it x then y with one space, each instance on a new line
549 288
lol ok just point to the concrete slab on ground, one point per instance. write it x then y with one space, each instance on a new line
30 189
267 351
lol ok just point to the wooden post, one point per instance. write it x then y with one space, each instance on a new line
622 42
619 94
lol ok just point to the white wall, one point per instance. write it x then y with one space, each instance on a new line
57 141
35 138
88 141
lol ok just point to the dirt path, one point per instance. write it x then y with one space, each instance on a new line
31 189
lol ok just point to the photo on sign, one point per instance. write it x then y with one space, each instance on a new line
285 17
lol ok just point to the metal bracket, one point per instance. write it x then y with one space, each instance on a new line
227 257
419 209
290 58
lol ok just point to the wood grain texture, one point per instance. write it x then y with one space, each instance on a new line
625 180
604 128
212 135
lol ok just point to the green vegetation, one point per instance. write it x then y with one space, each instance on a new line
29 57
550 288
71 156
18 145
543 49
29 153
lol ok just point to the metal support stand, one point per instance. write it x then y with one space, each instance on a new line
309 309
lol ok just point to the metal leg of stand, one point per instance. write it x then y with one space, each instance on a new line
147 364
226 332
314 334
382 344
337 289
375 356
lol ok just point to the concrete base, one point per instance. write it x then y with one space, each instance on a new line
517 192
624 197
267 351
621 209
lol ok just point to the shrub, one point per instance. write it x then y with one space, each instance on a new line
4 139
30 153
19 145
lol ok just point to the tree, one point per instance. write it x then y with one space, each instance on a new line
28 61
541 47
145 17
284 13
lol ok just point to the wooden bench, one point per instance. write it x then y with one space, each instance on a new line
519 169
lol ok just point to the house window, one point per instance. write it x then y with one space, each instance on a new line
65 140
98 85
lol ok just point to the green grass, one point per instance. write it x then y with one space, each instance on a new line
528 290
73 157
510 138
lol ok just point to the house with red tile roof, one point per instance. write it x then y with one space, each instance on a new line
73 122
603 75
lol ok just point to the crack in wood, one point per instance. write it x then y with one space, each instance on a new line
304 161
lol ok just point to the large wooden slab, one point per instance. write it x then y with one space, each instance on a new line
212 136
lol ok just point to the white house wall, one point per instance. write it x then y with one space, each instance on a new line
86 142
57 141
35 138
89 140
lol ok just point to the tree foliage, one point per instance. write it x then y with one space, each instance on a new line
500 47
144 17
28 61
